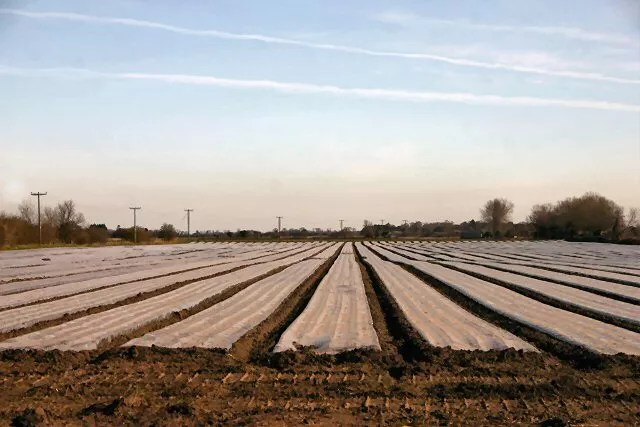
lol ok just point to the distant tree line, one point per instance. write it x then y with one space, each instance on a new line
64 224
590 217
61 223
285 233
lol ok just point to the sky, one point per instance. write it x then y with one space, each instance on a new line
317 111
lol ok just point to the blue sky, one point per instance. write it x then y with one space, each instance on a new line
244 110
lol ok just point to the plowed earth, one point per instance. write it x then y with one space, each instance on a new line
144 386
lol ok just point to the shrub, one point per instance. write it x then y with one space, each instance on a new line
81 237
167 232
97 233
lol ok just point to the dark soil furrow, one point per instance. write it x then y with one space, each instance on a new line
259 342
591 276
88 291
600 292
403 336
99 309
203 305
563 305
578 356
130 300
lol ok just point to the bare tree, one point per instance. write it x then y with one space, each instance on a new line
633 217
68 220
631 224
28 211
496 212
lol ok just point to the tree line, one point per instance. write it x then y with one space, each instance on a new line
64 224
589 217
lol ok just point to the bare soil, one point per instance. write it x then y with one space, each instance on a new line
144 386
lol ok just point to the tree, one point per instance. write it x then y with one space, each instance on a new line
588 216
633 217
545 221
368 230
632 224
415 228
496 212
28 212
167 232
67 220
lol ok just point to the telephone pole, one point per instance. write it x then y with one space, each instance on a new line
135 227
39 221
279 224
188 211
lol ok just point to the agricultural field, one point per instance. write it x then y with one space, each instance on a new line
322 332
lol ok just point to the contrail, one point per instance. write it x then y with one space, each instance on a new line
306 88
333 47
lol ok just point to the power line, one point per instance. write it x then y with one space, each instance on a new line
188 211
135 228
39 221
279 224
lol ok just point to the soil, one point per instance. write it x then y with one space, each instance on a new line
144 386
408 382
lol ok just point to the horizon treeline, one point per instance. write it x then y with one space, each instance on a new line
590 217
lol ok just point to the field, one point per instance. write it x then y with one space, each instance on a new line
322 332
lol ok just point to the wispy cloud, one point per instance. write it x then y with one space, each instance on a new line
528 59
305 88
567 32
464 62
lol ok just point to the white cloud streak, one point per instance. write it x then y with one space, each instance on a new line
567 32
306 88
322 46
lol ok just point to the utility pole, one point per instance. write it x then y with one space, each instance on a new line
341 227
39 221
188 211
135 227
279 224
382 222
